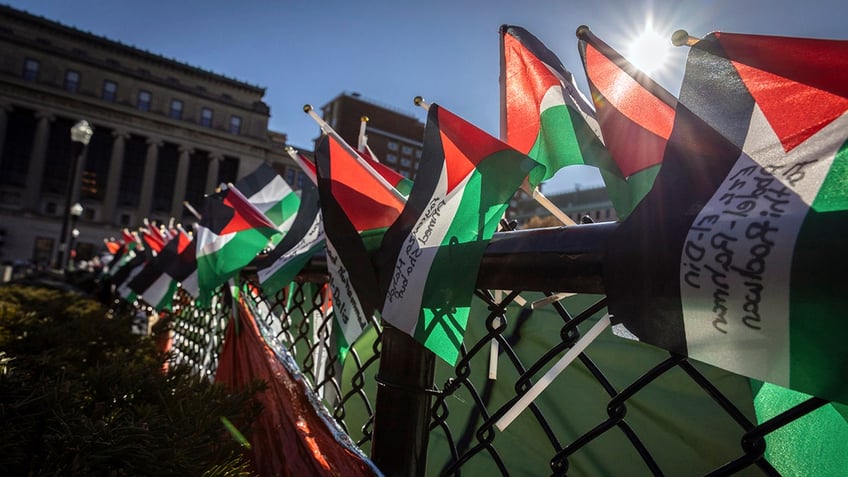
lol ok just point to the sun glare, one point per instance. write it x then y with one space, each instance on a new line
649 51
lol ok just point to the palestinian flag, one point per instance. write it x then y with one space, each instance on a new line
432 253
124 255
230 234
183 267
736 256
153 284
269 193
357 208
306 237
305 164
133 266
153 240
543 114
400 183
635 115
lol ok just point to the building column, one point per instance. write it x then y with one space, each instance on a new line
113 182
180 186
215 159
150 161
5 109
35 172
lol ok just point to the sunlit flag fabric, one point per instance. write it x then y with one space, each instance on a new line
269 193
545 116
635 115
229 235
357 209
432 254
737 255
306 237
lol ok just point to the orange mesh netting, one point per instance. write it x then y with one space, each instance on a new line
292 436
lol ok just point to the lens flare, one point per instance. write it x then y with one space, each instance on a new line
649 51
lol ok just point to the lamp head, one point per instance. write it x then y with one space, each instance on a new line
76 209
82 132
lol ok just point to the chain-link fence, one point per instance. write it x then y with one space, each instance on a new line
621 408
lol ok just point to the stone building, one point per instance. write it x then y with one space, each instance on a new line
164 132
593 202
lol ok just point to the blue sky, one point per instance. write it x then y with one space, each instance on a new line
390 51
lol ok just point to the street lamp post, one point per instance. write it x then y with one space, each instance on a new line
76 212
81 134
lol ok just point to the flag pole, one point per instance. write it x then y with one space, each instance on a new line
192 210
540 198
682 38
292 152
363 146
419 101
307 108
362 141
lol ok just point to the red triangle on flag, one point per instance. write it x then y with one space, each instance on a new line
245 215
794 110
787 85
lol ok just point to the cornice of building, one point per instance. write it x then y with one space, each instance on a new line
128 50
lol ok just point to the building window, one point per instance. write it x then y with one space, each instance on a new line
144 100
206 117
418 153
391 158
31 67
176 111
405 162
110 90
301 180
393 146
235 124
72 81
406 149
290 175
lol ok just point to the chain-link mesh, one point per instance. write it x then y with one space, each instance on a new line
622 408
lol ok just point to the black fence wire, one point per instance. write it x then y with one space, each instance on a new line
621 408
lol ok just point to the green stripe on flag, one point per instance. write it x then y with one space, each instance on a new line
565 139
283 210
448 291
817 347
216 267
814 445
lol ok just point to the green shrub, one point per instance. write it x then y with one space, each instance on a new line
84 396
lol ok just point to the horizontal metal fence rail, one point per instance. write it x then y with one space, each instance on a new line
620 405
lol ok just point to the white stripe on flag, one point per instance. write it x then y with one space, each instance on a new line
418 251
736 262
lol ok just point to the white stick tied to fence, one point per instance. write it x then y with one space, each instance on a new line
552 373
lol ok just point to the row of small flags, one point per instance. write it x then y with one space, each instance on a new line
731 197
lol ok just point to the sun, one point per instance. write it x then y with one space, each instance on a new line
649 51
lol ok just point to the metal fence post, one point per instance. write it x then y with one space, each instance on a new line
402 412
